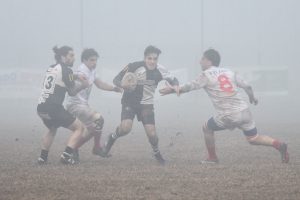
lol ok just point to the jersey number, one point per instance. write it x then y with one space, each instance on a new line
225 83
49 82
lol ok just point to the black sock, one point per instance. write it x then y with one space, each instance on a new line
154 143
44 154
116 134
69 150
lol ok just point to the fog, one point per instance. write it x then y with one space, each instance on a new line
260 39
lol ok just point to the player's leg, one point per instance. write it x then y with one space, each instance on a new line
65 119
146 115
93 123
153 140
256 139
96 129
123 129
46 144
77 129
48 137
209 137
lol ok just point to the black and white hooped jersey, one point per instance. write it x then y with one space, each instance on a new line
58 78
146 84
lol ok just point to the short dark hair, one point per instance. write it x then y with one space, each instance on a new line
62 51
151 49
87 53
213 56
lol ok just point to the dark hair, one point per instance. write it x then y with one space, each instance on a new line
62 51
213 56
87 53
152 49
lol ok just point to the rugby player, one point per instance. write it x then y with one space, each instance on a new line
59 79
221 85
138 101
78 105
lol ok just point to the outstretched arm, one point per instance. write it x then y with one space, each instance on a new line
196 84
106 86
118 79
172 81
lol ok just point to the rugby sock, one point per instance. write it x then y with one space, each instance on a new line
276 144
97 138
211 152
154 143
44 154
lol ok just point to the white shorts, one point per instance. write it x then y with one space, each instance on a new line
242 120
83 112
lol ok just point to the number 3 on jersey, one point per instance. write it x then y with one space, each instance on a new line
49 83
225 83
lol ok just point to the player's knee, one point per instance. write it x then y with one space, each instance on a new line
125 128
252 139
99 122
252 136
95 127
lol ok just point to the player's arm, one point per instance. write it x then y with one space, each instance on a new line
69 79
196 84
118 79
247 88
106 86
172 81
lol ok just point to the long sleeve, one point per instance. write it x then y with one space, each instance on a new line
167 75
195 84
118 79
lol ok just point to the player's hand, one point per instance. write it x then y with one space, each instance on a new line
118 89
128 87
81 77
176 88
168 89
253 101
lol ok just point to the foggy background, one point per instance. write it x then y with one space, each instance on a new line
258 38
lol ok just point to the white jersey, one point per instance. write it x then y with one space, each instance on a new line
82 97
221 85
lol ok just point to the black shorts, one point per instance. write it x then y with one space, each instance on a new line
55 116
144 112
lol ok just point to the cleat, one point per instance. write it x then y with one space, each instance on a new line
284 153
41 161
159 158
100 152
210 161
67 159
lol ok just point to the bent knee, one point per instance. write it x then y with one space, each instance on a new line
125 128
252 139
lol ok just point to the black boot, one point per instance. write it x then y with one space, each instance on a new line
108 145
